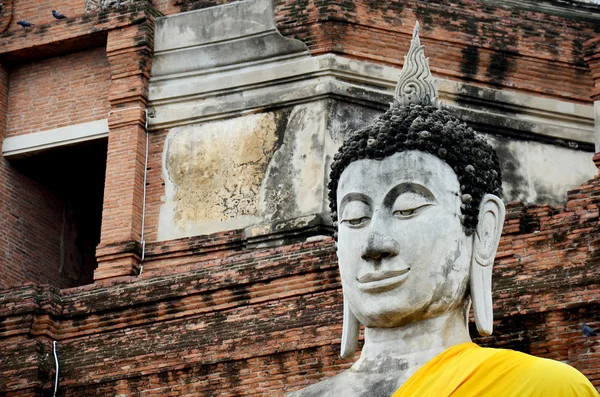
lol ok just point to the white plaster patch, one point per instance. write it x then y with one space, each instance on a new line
541 173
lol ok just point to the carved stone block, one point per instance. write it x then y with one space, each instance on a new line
98 5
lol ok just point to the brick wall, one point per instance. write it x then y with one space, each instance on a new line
46 94
40 11
31 224
31 220
223 315
58 92
493 45
227 314
59 76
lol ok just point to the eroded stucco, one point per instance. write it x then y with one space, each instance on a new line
246 172
539 173
213 173
259 170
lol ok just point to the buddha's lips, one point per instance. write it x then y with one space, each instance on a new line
372 277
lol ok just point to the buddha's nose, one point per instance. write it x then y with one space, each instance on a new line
378 247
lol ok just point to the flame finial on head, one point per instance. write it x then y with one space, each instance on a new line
416 85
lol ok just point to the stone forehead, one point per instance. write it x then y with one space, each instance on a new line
409 166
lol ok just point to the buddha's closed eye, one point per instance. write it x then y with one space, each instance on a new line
357 221
411 203
409 212
356 213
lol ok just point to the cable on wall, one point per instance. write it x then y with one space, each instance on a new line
57 367
142 240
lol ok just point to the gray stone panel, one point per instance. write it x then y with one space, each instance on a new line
222 36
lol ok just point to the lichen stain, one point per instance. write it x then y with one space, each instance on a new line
218 167
294 183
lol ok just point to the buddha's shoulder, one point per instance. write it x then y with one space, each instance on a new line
555 377
547 369
538 365
350 383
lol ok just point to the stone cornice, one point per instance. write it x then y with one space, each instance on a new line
220 93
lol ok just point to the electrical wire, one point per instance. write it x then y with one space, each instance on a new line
57 367
142 240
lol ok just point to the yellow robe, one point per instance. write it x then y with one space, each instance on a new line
467 370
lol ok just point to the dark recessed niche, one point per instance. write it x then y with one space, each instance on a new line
75 174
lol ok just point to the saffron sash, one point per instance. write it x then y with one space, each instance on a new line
467 370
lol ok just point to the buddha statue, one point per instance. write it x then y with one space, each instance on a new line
415 196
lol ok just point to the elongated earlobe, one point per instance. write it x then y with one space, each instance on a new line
485 245
350 328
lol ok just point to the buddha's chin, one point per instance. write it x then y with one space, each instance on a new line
379 311
392 309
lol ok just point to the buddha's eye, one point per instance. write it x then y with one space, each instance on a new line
357 221
410 204
356 214
407 213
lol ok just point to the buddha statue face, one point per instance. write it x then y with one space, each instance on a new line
402 248
415 197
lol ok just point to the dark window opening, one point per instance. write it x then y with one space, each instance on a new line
75 173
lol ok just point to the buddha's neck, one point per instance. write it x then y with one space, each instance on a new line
408 347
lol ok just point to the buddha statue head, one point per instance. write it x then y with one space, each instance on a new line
415 198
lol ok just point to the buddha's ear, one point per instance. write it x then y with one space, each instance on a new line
485 245
350 328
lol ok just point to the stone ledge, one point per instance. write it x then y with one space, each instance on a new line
264 235
28 144
217 37
227 93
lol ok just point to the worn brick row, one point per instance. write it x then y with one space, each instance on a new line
256 330
259 376
488 44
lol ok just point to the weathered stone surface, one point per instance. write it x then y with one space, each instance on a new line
224 36
534 172
213 175
294 179
253 171
195 90
100 5
277 163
